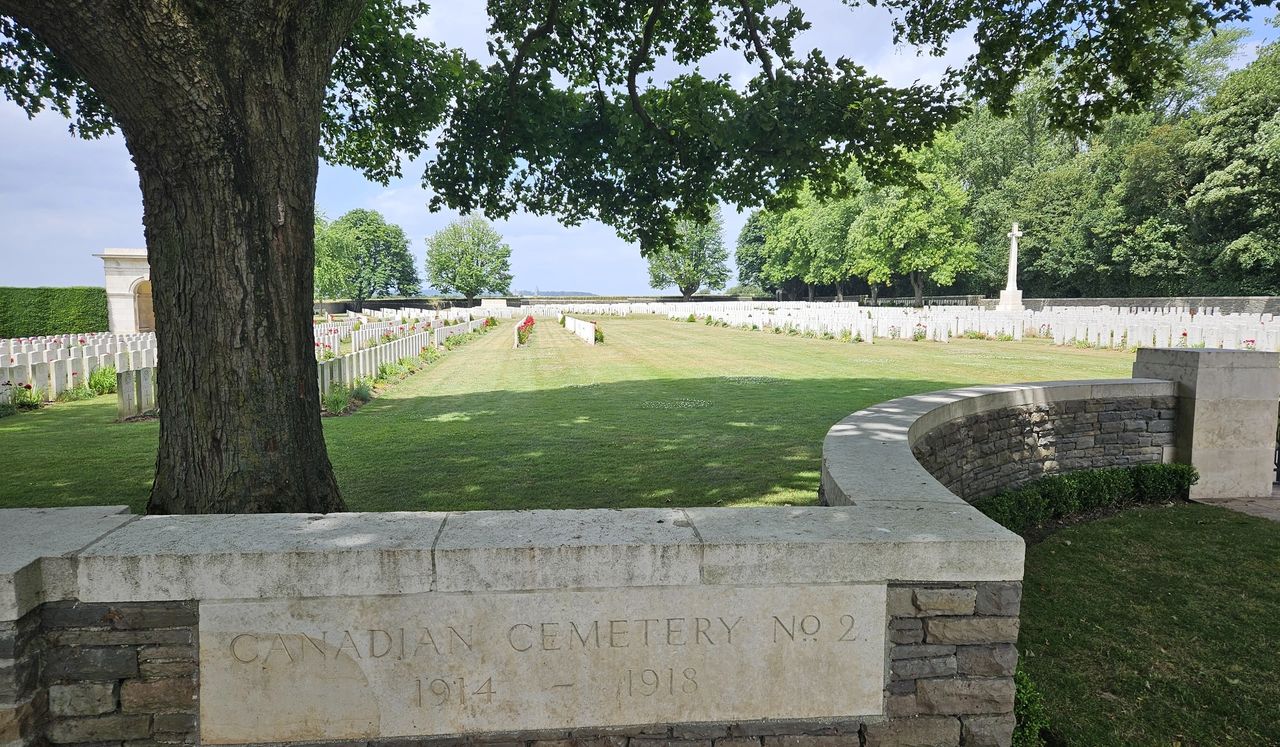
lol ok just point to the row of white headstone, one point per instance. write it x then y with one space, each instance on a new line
137 389
50 368
584 329
1067 325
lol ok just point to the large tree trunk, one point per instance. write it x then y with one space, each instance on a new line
917 287
810 288
839 290
220 106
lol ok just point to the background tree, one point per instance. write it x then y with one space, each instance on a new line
468 257
225 104
918 229
1234 202
360 256
749 253
696 258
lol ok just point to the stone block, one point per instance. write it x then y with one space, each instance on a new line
119 616
167 653
174 723
921 650
922 731
971 630
901 601
737 742
154 636
82 699
90 664
154 696
907 636
699 731
944 601
910 669
999 598
163 669
901 706
987 731
824 740
965 696
116 727
998 660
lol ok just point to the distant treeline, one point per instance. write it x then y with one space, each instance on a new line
1181 198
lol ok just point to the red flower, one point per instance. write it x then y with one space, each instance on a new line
27 387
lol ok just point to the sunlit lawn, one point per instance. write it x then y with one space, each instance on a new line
664 413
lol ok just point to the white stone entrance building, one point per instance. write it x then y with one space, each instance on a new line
128 282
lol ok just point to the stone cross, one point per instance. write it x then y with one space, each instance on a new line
1012 280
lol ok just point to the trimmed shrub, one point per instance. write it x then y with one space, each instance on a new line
76 394
1029 713
337 400
362 389
103 380
1063 496
29 312
599 334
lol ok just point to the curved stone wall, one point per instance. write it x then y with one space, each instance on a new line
962 444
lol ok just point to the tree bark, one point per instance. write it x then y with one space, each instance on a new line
839 290
220 104
875 294
809 286
917 286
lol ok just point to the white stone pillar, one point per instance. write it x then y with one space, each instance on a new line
1227 410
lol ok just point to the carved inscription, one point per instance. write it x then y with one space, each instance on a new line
434 664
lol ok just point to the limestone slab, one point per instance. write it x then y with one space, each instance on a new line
440 663
868 542
515 550
34 545
262 555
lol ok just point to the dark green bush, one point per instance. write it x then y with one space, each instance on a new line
1062 496
29 312
103 380
599 334
1030 715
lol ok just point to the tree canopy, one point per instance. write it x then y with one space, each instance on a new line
468 257
360 256
697 257
225 104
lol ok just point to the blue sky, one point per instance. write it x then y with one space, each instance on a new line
63 199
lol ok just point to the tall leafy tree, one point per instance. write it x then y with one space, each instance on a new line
749 253
225 104
362 256
918 229
468 257
696 258
1235 160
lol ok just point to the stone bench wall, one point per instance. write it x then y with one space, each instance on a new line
995 450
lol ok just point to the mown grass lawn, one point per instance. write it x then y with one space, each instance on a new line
1158 626
664 413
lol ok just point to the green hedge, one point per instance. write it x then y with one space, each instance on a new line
1061 496
28 312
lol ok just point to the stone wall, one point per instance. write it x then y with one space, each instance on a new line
990 451
127 675
124 674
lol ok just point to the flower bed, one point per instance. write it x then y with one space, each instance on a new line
523 330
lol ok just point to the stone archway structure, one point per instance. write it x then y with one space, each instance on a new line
128 283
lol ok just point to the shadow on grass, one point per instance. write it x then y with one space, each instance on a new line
654 442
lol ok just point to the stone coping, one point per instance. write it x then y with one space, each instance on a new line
867 458
105 555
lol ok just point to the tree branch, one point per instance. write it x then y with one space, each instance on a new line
539 32
637 59
749 22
